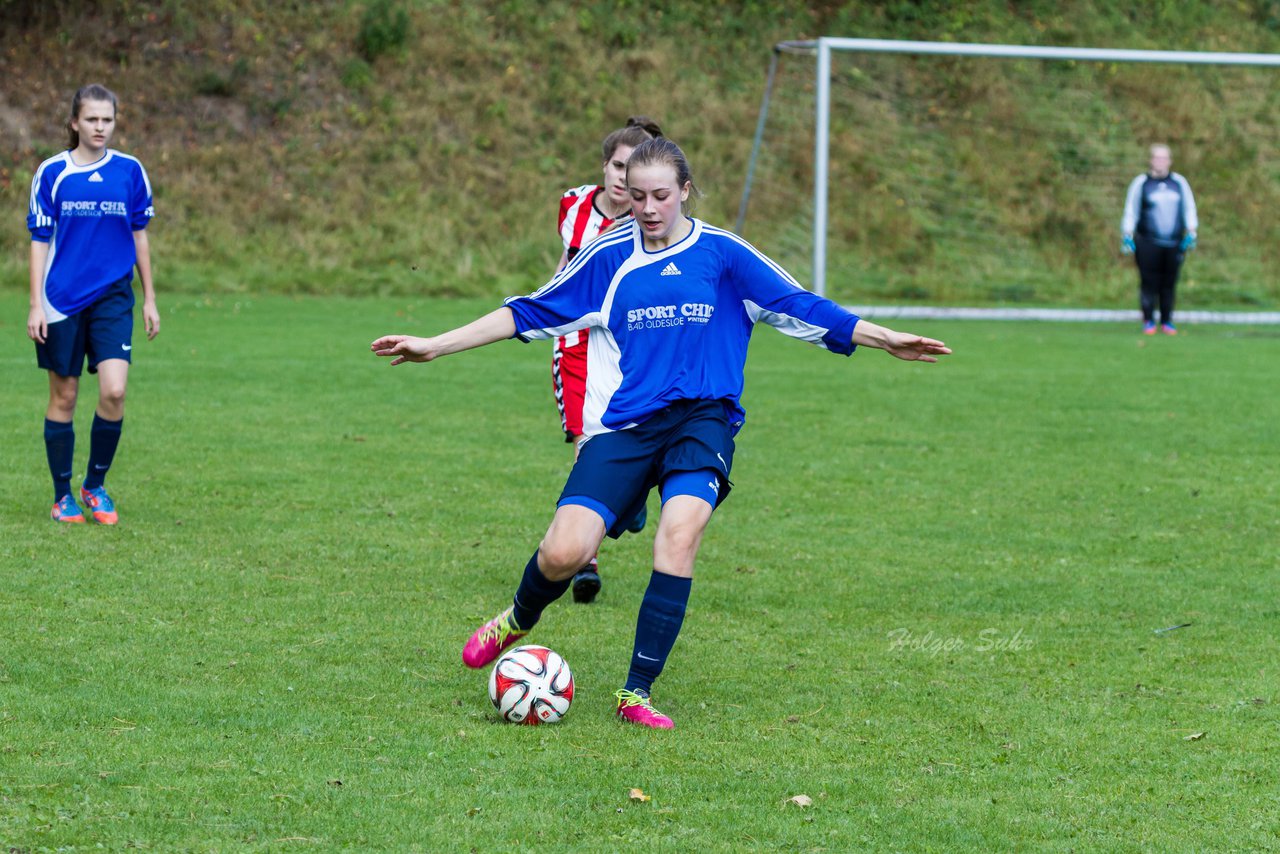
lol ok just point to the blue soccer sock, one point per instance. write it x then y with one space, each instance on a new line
103 440
60 447
535 593
657 627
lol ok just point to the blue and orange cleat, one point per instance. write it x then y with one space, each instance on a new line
65 509
1149 328
635 708
100 505
1168 329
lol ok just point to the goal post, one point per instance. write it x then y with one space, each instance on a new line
823 49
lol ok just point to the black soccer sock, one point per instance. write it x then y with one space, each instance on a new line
103 440
535 593
60 447
657 627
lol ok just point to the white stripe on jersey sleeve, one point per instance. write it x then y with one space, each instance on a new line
784 323
773 265
587 321
787 324
33 206
42 219
145 180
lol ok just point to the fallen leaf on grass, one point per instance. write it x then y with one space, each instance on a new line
638 796
801 801
474 811
1195 736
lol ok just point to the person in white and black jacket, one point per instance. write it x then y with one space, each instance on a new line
1159 227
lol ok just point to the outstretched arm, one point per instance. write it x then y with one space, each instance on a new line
903 345
494 326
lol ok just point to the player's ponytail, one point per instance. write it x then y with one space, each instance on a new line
92 92
646 124
661 151
638 129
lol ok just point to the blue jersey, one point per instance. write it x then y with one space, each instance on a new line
87 215
672 324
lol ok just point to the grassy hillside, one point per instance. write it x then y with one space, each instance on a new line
420 147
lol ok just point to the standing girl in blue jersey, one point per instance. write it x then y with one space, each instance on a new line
671 303
89 210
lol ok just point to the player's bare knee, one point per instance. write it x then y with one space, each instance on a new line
62 396
561 555
679 539
111 398
676 547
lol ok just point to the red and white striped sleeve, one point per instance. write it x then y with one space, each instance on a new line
580 221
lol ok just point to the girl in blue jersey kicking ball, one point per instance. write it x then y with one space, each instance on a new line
586 212
90 206
670 302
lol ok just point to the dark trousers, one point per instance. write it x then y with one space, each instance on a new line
1158 268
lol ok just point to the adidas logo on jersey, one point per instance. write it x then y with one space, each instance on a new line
670 270
95 178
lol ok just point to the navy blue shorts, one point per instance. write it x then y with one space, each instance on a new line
102 331
615 471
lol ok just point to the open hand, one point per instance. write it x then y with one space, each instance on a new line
915 348
403 348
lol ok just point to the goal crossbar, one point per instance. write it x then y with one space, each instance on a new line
823 47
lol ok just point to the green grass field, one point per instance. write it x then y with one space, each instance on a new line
930 604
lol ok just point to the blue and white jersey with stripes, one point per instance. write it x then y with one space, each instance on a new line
87 215
1159 209
672 324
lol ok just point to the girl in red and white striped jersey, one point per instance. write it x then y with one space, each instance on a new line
586 212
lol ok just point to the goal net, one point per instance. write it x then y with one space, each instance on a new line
954 179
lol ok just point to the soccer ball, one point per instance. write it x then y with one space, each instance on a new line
531 685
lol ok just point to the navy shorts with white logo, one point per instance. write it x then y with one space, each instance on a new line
615 471
102 331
